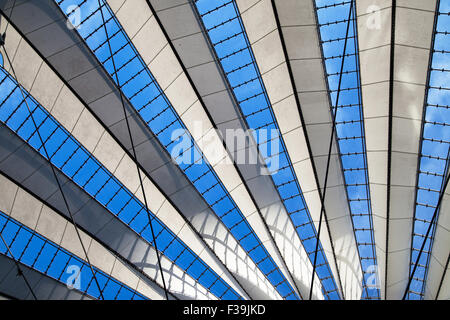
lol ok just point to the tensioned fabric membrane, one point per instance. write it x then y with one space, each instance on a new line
224 149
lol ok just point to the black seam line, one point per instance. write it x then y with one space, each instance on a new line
61 50
55 175
442 279
200 99
138 31
158 254
313 162
103 244
21 4
375 47
334 137
186 36
76 44
411 83
317 156
47 155
244 125
423 120
306 59
262 37
69 182
326 91
12 152
107 129
329 187
374 83
214 92
390 129
101 67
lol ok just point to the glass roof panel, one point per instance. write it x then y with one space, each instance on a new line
435 152
44 256
69 156
141 89
345 93
228 37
